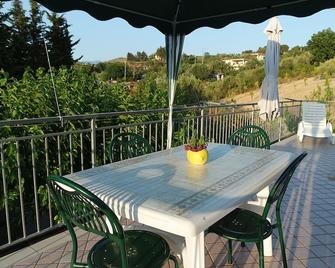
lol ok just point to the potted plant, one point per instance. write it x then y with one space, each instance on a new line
196 150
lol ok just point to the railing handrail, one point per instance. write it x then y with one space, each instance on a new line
304 100
57 119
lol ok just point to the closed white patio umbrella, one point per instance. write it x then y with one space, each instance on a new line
269 97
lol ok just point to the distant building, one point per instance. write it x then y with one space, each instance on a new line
158 58
236 63
219 76
259 56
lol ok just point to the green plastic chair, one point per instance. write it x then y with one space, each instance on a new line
247 226
250 136
128 145
117 248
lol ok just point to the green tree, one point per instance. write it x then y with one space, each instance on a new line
99 67
322 45
284 48
60 42
218 66
142 56
161 52
114 71
261 50
296 50
201 71
131 57
19 46
188 59
5 33
37 32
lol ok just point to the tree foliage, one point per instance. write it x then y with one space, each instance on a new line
161 52
201 71
114 71
322 45
22 39
5 40
37 32
19 45
60 41
141 56
284 48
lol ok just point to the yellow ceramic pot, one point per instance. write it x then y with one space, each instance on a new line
197 158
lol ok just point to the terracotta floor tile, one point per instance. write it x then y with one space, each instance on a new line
295 264
249 265
314 263
322 251
217 248
52 265
309 240
30 260
329 261
302 253
244 257
23 266
50 257
212 238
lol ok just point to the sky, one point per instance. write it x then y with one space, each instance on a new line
105 40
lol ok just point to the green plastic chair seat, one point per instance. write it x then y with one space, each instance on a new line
144 250
244 225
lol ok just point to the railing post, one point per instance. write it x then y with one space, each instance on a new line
93 142
280 128
162 145
252 114
281 120
5 193
202 122
300 110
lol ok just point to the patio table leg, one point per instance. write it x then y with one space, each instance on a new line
262 196
194 253
268 246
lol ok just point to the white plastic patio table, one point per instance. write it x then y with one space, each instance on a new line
164 191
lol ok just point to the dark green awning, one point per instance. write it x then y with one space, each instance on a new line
188 15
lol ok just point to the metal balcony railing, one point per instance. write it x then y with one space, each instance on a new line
32 149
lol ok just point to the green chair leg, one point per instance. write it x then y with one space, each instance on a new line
230 251
261 253
80 265
281 238
74 263
175 261
74 246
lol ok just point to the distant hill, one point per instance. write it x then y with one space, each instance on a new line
299 89
120 59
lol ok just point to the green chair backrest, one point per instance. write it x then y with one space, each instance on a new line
250 136
279 188
80 207
128 145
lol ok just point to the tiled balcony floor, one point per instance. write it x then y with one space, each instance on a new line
308 213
